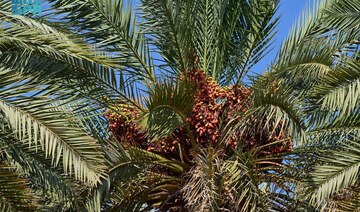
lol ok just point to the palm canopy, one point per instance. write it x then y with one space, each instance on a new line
160 71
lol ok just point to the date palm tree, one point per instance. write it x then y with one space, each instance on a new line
106 107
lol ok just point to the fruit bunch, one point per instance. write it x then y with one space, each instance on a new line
212 103
274 139
204 119
124 128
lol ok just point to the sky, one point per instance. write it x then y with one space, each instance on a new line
289 11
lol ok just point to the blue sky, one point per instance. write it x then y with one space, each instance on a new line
289 11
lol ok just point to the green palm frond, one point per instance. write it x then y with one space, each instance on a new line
118 32
169 105
253 35
207 21
342 14
34 165
121 167
38 51
232 36
127 169
307 25
340 89
32 32
226 40
337 170
280 108
334 104
308 63
5 5
133 195
59 139
312 49
42 124
15 194
302 60
169 25
249 186
47 181
334 132
237 183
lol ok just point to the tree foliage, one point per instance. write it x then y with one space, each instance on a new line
106 106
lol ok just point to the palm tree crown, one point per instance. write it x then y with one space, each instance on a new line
108 107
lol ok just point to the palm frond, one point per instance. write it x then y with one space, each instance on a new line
256 183
169 105
342 14
232 36
118 32
168 24
339 90
33 164
337 170
5 5
133 195
14 192
42 123
128 172
312 49
279 107
302 56
307 25
259 24
38 51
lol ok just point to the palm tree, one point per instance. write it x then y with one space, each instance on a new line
183 129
